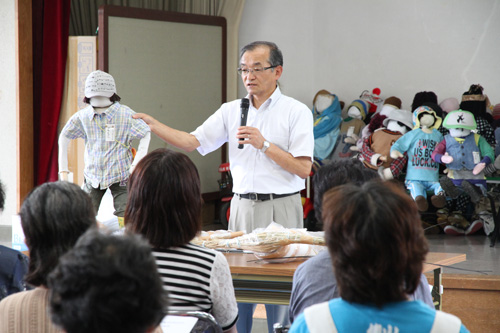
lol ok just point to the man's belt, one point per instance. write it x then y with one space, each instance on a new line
263 196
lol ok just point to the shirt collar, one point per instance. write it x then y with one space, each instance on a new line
109 112
272 100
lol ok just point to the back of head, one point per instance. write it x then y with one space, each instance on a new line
337 173
164 199
2 196
53 217
422 97
474 101
376 241
107 284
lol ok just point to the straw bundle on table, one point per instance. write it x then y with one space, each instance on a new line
263 242
218 234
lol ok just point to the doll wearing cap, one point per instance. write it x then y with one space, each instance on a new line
476 102
422 172
465 155
376 121
108 130
375 152
351 128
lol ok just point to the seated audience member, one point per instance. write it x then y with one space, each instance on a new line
107 284
53 217
164 205
13 264
377 245
314 280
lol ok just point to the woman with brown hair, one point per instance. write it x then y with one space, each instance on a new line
164 205
378 247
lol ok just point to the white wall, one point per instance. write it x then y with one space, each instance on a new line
402 47
8 83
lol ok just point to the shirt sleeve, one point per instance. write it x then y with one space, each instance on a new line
439 151
225 309
139 128
398 164
302 133
367 153
74 128
213 133
485 149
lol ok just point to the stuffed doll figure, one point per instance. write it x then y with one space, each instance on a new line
375 152
327 118
476 102
350 127
422 172
465 154
108 130
376 121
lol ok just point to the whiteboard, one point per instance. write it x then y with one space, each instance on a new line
171 66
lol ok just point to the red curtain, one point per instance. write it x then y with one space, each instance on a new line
50 48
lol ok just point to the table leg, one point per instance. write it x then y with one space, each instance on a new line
437 289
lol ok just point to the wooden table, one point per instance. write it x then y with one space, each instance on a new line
271 283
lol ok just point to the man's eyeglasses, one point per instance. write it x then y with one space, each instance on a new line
255 70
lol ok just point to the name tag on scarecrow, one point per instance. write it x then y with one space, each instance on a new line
476 156
110 132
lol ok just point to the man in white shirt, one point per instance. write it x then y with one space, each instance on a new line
269 171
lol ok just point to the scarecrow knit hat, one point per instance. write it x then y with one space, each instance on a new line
99 83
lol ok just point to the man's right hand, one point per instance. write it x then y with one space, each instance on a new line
147 118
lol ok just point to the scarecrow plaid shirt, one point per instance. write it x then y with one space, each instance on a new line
106 161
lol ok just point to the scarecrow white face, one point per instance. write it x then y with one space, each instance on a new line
354 112
100 102
396 126
398 121
459 132
427 120
323 101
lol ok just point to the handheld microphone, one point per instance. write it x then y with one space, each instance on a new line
245 103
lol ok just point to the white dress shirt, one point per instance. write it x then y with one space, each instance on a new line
282 120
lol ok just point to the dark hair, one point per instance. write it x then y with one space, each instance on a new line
107 284
275 55
421 97
2 196
435 107
164 199
476 105
376 241
114 98
338 173
53 216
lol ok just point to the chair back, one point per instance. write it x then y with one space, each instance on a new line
206 323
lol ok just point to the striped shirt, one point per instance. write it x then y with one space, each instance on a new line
198 279
106 161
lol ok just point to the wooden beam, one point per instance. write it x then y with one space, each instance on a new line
24 62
